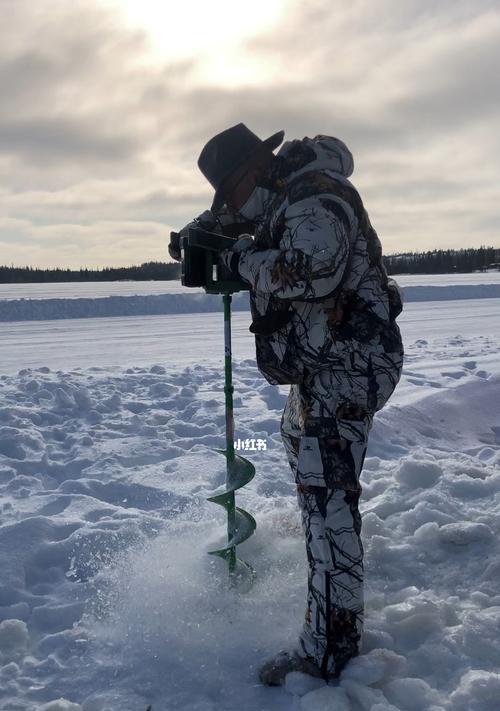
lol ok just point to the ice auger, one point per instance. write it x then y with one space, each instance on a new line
199 250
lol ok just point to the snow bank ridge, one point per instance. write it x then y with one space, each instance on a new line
164 304
151 305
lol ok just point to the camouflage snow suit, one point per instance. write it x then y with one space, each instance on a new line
324 321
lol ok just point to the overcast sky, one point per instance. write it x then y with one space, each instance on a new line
106 105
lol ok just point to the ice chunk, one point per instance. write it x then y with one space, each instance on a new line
325 699
60 705
415 473
481 635
300 684
373 667
411 694
477 690
364 696
14 639
63 400
465 532
10 671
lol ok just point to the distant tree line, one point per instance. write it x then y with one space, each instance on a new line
443 261
144 272
437 261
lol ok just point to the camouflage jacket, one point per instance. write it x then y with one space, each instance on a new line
319 292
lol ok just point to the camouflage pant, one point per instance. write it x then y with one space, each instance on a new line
325 427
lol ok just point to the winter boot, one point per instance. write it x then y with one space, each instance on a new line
274 671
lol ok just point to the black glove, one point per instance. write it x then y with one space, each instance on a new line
174 247
229 259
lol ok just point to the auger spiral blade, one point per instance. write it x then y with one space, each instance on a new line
244 526
241 524
240 471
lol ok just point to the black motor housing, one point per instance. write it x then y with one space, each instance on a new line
199 268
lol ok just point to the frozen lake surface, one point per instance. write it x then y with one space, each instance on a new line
108 599
73 343
75 290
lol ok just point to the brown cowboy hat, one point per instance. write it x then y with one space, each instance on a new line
228 151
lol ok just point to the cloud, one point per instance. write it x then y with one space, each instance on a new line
97 133
44 140
124 243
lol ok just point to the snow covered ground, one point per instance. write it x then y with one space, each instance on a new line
107 597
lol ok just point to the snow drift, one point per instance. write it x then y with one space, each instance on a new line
187 302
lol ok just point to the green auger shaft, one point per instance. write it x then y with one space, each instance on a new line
239 471
228 393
